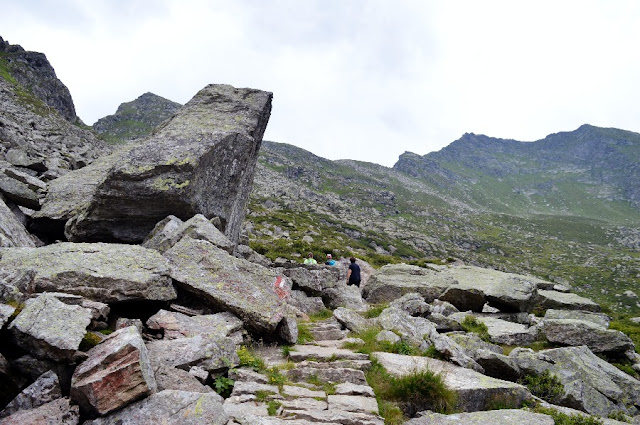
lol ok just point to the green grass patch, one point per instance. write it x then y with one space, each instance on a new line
249 359
471 324
89 341
629 328
421 390
321 315
371 344
547 386
375 310
304 333
272 407
563 419
262 395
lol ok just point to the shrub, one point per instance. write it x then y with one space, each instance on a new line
471 324
249 359
321 315
304 333
546 386
375 310
272 407
223 386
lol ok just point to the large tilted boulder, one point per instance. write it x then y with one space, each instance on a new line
200 161
170 407
100 272
599 319
565 301
44 390
475 391
176 325
170 230
210 352
590 383
394 280
117 372
48 328
255 294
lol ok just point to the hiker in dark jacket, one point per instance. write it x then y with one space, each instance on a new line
353 274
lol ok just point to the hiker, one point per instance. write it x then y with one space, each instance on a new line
330 261
353 274
310 260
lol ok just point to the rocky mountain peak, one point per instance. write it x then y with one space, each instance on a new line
33 71
136 118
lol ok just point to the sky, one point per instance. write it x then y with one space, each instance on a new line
354 79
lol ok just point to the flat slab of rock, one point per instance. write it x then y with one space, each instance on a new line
510 333
294 391
117 372
58 412
353 389
475 390
171 378
170 407
300 353
177 325
565 301
351 319
578 332
599 319
255 294
394 280
353 403
48 328
210 352
100 272
342 417
492 417
202 160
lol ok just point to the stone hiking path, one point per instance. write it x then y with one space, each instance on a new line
352 401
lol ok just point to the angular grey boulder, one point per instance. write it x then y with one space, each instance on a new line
170 230
48 328
177 325
352 320
565 301
200 161
57 412
578 332
12 231
117 372
394 280
100 272
210 352
599 319
170 407
491 417
255 294
44 390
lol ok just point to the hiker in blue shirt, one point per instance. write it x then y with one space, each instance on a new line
330 261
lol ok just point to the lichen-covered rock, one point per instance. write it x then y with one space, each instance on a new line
314 281
590 383
202 160
177 325
577 332
412 303
44 390
305 303
507 332
394 280
255 294
475 391
343 295
210 352
100 272
166 234
117 372
565 301
5 313
170 407
57 412
599 319
352 320
12 231
171 378
18 192
48 328
413 330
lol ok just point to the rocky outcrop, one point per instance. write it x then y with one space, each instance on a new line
12 231
58 412
44 390
136 119
475 391
170 230
394 280
578 332
101 272
117 372
200 161
492 417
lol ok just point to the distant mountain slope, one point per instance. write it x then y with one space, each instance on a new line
136 118
590 172
553 208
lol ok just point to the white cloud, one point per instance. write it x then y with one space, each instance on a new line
359 79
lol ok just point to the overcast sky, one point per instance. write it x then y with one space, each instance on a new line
356 79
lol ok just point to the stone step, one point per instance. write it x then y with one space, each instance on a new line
300 353
353 403
338 364
336 416
328 334
330 375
